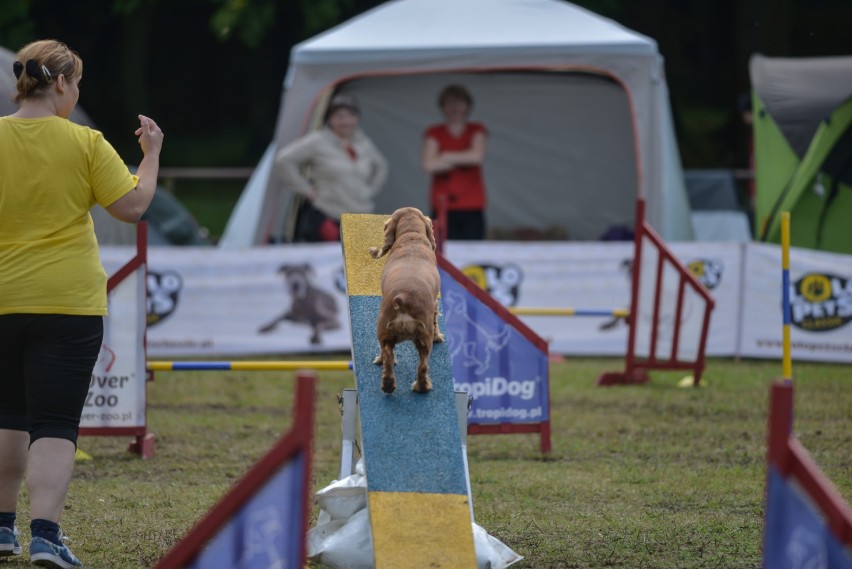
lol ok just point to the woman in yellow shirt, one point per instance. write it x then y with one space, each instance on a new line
52 284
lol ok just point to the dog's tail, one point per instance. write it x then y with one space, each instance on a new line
402 325
400 303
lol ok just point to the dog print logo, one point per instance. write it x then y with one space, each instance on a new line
821 302
501 282
479 345
309 305
106 359
264 537
162 295
707 271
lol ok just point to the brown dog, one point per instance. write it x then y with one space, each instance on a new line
410 287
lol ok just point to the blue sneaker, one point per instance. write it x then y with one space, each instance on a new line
9 542
47 554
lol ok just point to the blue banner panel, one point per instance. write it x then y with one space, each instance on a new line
504 372
796 536
267 531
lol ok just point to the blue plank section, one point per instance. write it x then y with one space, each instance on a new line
411 440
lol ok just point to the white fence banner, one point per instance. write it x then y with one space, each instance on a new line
206 302
557 275
820 300
596 276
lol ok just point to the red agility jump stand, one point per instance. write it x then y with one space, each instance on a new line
206 537
790 459
143 443
637 365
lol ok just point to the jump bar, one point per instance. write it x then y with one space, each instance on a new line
249 365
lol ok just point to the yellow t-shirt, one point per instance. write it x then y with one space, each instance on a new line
52 172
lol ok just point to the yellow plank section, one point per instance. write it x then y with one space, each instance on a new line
420 531
363 273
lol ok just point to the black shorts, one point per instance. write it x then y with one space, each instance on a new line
47 362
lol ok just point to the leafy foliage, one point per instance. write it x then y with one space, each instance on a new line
16 28
249 20
322 14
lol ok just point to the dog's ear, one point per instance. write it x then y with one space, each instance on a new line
390 231
430 231
390 237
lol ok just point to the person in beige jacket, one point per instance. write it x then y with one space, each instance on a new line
337 169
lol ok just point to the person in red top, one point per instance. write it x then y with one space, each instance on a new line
453 152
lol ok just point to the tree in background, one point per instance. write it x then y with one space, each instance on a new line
212 70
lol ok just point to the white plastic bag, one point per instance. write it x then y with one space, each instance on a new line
491 553
350 546
343 498
342 538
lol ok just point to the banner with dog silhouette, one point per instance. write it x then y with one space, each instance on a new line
495 358
275 300
207 302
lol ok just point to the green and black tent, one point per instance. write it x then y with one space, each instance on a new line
802 110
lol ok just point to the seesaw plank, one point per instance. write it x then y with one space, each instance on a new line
417 494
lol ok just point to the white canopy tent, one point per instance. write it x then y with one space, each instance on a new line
576 106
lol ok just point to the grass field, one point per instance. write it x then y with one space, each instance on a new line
654 476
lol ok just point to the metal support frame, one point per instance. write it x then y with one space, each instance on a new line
348 459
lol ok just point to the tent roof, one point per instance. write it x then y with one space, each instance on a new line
416 28
798 93
599 80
